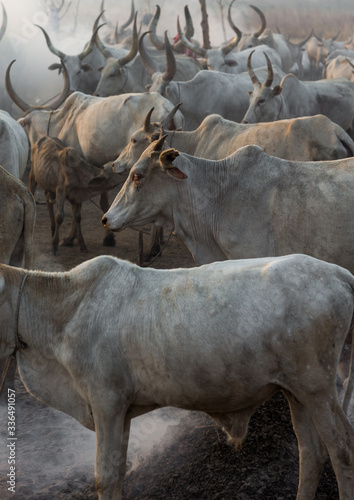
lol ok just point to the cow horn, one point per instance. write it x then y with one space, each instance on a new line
190 45
90 45
263 21
147 122
152 29
252 74
335 36
270 74
170 70
131 17
300 44
349 62
231 23
149 63
4 22
27 107
167 119
133 48
51 47
188 30
101 47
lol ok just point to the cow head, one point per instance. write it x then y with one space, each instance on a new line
248 40
146 193
140 140
263 104
81 75
115 74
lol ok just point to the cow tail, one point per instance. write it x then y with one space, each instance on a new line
28 231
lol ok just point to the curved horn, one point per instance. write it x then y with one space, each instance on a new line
300 44
149 63
192 46
147 122
335 36
91 45
188 30
51 47
4 22
133 48
27 107
152 29
252 74
231 23
166 120
101 47
170 70
270 74
131 17
263 21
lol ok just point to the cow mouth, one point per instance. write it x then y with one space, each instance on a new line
139 224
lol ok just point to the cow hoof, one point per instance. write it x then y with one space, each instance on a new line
66 242
109 241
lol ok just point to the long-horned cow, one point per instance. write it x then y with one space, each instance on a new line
188 344
293 98
309 138
246 205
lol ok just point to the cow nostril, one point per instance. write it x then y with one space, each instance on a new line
244 121
104 220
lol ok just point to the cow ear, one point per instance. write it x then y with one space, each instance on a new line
55 66
166 159
277 90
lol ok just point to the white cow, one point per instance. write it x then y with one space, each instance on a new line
309 138
293 98
17 220
339 67
185 338
249 204
98 128
14 145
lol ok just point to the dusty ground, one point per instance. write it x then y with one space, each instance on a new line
173 454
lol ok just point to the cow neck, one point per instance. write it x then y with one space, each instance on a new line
171 137
19 342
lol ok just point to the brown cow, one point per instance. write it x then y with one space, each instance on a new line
65 175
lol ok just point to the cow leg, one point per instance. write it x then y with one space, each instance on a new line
49 202
68 241
109 239
338 435
32 183
155 242
112 433
312 452
59 217
76 207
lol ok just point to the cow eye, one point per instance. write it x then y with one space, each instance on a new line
133 141
136 179
261 101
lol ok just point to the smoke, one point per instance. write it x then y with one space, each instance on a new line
55 454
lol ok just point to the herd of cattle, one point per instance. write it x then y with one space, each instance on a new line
235 151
